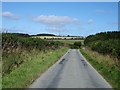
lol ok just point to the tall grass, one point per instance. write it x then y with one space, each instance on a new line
105 65
16 48
25 58
36 64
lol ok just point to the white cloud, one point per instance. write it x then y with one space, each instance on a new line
54 20
54 23
10 15
90 21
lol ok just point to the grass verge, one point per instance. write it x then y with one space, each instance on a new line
105 65
24 75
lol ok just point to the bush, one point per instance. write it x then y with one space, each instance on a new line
76 45
14 45
105 43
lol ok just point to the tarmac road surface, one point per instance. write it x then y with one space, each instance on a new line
71 71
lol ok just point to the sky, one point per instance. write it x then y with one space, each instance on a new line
60 0
60 18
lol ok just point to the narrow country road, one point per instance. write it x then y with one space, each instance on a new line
71 71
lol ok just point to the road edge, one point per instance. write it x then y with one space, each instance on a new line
94 69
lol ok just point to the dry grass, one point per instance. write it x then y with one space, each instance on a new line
104 64
106 59
49 37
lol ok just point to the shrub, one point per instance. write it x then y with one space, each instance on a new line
76 45
105 43
13 46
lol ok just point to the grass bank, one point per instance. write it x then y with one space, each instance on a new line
105 65
37 62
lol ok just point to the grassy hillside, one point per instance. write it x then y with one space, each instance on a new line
36 62
103 52
25 58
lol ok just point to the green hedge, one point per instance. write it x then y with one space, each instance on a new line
105 43
16 46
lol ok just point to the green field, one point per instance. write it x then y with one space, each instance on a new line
70 41
62 39
55 37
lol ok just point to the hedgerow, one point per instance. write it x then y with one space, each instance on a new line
105 43
16 46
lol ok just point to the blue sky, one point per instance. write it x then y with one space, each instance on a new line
64 18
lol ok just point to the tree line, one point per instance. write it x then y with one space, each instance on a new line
13 40
105 43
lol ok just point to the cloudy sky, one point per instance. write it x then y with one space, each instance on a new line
64 18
